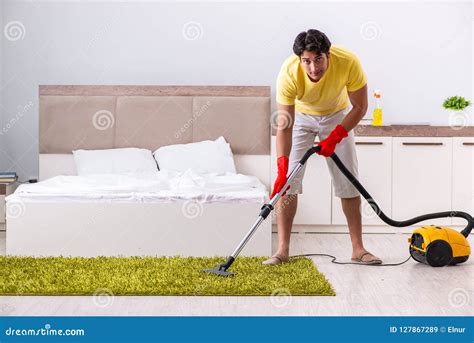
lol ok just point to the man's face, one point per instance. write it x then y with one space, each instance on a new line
314 64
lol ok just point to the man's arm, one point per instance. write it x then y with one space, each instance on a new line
359 103
285 129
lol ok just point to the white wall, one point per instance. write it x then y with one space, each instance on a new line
417 53
2 144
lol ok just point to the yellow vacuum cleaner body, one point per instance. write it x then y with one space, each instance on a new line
438 246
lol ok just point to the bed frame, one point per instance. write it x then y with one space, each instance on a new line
103 117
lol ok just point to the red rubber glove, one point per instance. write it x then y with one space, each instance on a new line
328 145
282 163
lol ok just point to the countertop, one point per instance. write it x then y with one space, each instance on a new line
413 131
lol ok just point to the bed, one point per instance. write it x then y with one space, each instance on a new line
46 219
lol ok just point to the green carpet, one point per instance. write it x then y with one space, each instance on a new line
157 276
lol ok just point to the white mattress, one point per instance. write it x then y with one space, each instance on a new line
162 186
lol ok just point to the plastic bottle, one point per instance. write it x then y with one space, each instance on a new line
377 115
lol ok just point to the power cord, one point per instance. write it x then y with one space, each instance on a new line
336 262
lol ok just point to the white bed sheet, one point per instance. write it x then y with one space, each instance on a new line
162 186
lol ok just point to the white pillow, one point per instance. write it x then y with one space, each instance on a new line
202 157
114 161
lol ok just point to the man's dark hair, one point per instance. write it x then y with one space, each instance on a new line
311 40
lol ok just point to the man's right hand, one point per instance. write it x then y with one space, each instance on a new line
284 137
282 163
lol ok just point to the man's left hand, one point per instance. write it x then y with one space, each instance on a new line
328 145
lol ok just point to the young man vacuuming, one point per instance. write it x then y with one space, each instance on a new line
314 88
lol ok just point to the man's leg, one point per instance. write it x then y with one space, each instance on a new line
285 211
351 208
343 188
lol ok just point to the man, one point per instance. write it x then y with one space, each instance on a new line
314 88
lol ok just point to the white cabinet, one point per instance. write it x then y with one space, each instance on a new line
422 176
314 205
374 155
463 177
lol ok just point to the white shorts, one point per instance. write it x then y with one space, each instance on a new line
305 130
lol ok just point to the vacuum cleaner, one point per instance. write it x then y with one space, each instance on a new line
432 245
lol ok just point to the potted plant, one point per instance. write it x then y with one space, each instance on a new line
456 105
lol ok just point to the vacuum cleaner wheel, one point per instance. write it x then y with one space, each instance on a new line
439 253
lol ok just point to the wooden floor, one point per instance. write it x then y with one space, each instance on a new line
409 289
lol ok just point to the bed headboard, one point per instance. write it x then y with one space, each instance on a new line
105 117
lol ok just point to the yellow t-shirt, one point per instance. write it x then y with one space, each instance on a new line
329 94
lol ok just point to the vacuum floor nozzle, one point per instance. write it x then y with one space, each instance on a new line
219 270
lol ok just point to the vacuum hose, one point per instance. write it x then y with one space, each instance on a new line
465 232
222 269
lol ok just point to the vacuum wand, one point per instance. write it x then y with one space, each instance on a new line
265 211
